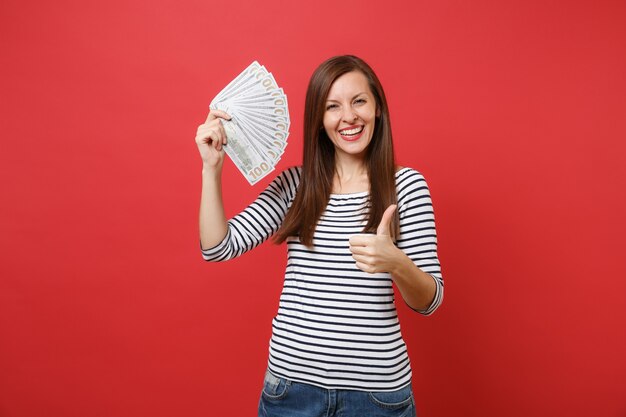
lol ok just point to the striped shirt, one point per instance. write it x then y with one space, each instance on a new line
337 326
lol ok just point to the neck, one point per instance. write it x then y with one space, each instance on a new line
348 167
350 176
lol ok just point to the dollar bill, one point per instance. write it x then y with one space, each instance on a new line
258 131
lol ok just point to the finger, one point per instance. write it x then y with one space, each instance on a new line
214 114
360 240
365 260
218 136
223 134
203 130
217 142
207 135
360 250
365 268
385 222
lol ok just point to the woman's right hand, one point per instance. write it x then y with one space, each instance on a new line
211 139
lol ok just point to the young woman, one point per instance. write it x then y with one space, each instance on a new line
354 224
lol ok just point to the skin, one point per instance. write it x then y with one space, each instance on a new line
210 139
350 104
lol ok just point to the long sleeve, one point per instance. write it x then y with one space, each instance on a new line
259 221
418 236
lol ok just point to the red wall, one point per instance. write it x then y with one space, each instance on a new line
514 110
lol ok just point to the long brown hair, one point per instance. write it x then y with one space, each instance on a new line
318 168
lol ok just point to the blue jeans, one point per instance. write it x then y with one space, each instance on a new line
284 398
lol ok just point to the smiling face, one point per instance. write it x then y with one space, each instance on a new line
350 115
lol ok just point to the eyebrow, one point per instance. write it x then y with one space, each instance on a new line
355 96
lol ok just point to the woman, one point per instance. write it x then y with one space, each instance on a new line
336 346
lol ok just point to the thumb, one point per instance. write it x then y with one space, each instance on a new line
385 222
215 113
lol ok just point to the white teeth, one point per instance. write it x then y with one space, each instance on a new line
351 131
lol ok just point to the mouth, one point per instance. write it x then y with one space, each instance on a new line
351 133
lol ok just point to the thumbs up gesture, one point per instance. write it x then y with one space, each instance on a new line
376 253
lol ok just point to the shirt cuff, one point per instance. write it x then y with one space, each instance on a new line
217 252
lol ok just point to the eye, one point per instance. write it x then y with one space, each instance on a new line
360 101
332 106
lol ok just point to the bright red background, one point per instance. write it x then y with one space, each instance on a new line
514 110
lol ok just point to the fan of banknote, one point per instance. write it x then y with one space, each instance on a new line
257 133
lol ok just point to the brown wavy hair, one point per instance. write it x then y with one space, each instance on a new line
318 168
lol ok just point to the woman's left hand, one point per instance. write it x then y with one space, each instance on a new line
376 253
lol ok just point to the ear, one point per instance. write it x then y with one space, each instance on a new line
377 112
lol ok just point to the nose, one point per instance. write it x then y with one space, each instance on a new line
349 115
